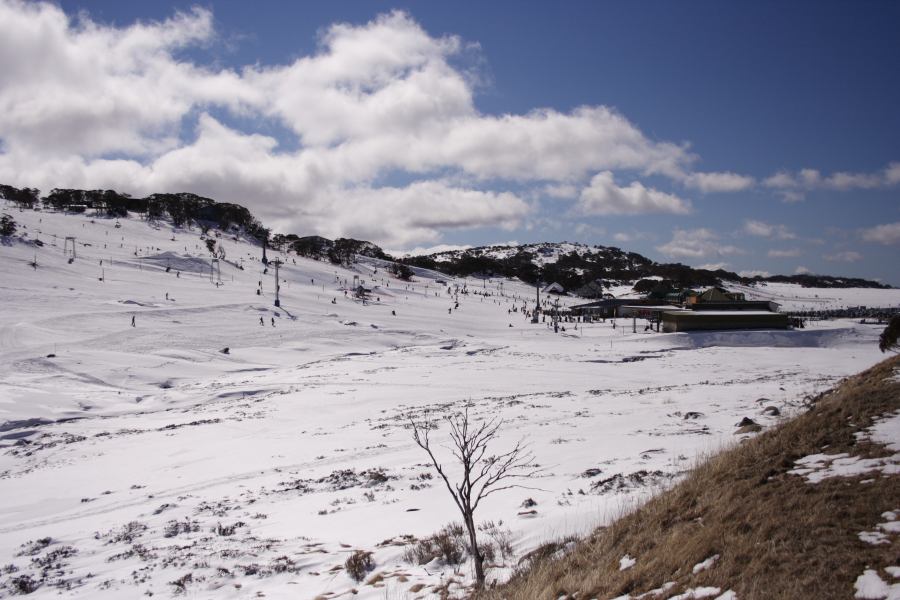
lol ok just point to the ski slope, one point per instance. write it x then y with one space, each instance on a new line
157 463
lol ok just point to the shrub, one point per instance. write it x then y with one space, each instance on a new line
449 544
889 337
182 582
7 225
501 538
358 564
24 584
174 528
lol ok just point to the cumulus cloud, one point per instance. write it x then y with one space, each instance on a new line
846 256
697 243
415 212
561 190
80 88
604 197
887 234
767 230
84 104
801 270
91 105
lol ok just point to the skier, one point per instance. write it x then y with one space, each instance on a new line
261 322
167 295
132 320
273 321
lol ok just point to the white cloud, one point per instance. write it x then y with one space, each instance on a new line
889 233
697 243
719 182
84 104
86 89
793 186
767 230
425 251
713 266
563 191
846 256
587 230
854 181
754 273
402 216
630 236
786 253
92 105
892 173
801 270
604 197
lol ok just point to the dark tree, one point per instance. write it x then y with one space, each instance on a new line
312 246
7 225
890 337
402 271
23 198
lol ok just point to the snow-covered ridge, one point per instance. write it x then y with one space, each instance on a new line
545 252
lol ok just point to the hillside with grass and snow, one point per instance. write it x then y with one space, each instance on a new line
166 429
808 509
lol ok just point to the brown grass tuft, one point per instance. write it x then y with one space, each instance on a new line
778 536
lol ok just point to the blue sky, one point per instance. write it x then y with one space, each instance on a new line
755 136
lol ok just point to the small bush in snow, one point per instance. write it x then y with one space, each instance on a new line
449 544
358 564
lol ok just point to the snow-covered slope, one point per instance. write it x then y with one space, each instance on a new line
147 454
793 297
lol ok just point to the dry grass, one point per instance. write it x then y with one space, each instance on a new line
778 536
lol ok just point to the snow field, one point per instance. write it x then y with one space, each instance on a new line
153 455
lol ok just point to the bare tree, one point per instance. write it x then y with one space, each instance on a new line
483 474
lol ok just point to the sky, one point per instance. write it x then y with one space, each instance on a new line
757 137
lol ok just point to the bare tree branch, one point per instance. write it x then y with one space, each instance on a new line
483 474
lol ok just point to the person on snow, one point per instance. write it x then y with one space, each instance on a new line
132 320
261 322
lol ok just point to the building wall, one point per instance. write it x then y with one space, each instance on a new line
673 322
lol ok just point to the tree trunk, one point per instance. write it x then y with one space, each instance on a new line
477 557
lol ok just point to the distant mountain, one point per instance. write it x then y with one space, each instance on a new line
586 270
580 268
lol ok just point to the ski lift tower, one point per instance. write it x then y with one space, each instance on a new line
214 269
537 304
69 238
277 264
556 317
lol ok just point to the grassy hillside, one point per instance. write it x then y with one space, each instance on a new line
776 534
